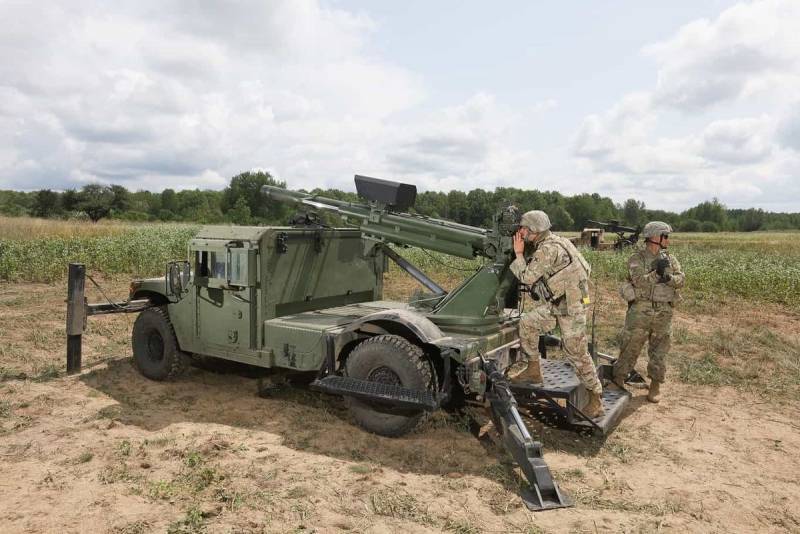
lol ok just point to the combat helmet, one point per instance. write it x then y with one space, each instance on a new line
655 229
536 220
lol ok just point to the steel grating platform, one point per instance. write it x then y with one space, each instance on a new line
367 390
558 401
559 378
614 403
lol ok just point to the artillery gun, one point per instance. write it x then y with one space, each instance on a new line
308 298
593 237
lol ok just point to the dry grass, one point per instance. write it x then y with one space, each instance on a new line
770 242
32 228
34 331
755 358
398 503
203 454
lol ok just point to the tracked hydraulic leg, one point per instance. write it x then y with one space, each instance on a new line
543 493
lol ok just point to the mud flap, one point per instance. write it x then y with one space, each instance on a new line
543 493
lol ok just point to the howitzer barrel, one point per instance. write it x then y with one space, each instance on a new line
379 223
283 195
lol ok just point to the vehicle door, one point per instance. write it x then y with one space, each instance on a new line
226 275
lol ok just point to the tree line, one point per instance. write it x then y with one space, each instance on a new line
242 203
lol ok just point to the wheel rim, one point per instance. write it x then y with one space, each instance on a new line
155 346
384 375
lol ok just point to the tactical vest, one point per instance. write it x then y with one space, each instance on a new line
653 292
571 279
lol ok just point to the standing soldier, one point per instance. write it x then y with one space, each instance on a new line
654 277
559 276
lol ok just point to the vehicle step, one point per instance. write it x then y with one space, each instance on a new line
557 401
614 403
367 390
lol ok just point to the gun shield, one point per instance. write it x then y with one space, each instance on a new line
395 195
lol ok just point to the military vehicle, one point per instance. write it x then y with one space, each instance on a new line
595 237
309 298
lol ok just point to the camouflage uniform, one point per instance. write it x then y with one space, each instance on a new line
649 317
553 254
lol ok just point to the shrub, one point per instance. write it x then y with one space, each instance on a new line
709 226
689 225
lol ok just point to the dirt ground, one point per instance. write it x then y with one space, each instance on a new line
110 451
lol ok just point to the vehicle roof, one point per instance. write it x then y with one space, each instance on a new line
249 233
245 233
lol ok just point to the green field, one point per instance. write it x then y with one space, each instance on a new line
759 266
43 256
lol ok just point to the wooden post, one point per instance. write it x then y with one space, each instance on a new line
76 315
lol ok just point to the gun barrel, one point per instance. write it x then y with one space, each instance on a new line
297 197
282 195
398 228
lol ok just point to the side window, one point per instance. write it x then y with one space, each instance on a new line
237 274
216 263
210 264
229 267
201 264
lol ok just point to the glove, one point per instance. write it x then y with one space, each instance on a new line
661 266
666 277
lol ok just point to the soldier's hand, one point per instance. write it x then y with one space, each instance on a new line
519 244
666 277
661 266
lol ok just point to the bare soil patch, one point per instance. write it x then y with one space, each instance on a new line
110 451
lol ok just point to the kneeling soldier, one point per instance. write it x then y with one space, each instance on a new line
654 278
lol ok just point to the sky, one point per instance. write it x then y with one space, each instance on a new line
671 103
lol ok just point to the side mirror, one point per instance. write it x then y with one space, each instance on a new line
178 274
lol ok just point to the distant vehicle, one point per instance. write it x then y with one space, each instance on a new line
595 237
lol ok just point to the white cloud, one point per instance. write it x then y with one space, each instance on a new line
186 94
711 73
180 94
620 141
465 146
749 50
788 134
166 93
738 141
627 122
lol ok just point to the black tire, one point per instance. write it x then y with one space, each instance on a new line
392 360
155 347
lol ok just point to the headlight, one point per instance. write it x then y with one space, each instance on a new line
134 287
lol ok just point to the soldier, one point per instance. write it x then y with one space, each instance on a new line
560 278
654 278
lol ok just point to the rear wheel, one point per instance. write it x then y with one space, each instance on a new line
155 347
393 360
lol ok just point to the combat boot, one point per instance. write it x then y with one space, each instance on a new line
619 381
531 375
654 395
594 408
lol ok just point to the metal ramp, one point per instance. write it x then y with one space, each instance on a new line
558 401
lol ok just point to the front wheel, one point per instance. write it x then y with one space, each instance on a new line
155 347
393 360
